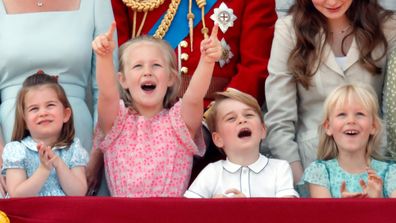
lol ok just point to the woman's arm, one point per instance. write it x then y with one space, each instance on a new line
192 104
282 101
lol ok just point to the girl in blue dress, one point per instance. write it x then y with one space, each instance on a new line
348 162
44 158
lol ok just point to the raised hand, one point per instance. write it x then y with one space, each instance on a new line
211 47
347 194
103 45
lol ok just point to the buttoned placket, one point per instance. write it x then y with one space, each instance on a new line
245 188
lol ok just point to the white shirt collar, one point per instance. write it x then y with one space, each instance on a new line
256 167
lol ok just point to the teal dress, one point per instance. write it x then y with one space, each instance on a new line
58 42
330 175
24 155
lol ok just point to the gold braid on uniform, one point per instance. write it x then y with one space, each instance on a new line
167 20
141 6
201 4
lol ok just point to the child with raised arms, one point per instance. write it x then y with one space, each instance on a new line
149 138
349 163
44 158
237 127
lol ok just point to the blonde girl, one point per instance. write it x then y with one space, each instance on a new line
348 162
149 139
44 158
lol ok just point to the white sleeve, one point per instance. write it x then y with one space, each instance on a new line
284 180
205 183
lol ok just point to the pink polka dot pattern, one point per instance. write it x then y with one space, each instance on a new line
148 157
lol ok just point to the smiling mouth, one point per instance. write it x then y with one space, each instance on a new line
351 132
245 132
44 122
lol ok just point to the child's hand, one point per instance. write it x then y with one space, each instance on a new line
346 194
374 185
103 45
211 47
47 157
230 193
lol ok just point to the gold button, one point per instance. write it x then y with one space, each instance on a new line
184 70
184 56
183 44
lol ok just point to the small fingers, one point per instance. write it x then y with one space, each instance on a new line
109 34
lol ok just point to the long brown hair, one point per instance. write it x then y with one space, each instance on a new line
366 17
35 81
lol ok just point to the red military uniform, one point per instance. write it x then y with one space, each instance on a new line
247 34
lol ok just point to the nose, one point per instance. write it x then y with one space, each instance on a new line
351 119
147 71
241 119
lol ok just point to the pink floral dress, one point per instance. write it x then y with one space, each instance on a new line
148 157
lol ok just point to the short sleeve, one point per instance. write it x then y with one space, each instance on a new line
390 180
204 185
284 182
196 145
316 173
14 156
79 155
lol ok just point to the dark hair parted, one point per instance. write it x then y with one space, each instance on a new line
366 17
170 57
34 82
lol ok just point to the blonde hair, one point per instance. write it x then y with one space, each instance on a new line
327 148
233 94
170 57
33 82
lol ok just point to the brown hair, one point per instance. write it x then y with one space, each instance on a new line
233 94
366 17
35 81
327 148
170 57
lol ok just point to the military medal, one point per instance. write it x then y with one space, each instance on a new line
226 54
224 17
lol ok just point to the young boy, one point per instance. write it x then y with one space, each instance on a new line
237 127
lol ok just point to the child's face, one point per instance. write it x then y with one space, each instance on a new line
350 125
147 76
239 127
44 114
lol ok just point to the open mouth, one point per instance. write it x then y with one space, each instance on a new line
245 132
148 86
351 132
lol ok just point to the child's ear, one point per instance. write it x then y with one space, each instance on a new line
326 127
374 128
217 140
171 80
67 114
122 80
264 131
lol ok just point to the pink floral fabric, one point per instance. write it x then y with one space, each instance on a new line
148 157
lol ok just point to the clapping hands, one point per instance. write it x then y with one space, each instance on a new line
48 159
371 189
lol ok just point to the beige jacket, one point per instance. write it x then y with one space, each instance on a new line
294 114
